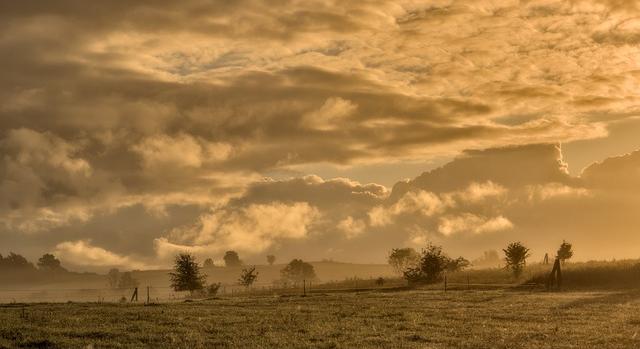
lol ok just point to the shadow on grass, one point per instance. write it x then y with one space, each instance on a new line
609 298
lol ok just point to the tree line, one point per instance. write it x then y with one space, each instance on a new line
188 275
16 262
432 262
232 259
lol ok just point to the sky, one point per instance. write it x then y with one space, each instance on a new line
317 129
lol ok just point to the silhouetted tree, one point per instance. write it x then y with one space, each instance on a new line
248 276
516 256
113 277
565 251
15 262
232 259
127 281
186 275
212 289
545 260
489 258
208 263
298 270
271 259
432 263
457 264
402 258
49 262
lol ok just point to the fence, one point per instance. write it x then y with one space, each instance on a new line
156 294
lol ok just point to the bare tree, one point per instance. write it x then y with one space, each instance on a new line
248 276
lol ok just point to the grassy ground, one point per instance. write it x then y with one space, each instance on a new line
409 319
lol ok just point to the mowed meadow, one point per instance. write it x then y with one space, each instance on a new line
598 307
371 319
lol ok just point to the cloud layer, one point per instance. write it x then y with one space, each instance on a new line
168 117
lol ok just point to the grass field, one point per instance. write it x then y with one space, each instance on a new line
407 319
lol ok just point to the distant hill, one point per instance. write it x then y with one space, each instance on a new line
325 271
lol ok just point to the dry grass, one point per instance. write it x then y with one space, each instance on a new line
411 319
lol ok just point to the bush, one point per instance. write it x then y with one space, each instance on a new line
402 259
516 256
186 275
212 289
298 270
433 262
248 277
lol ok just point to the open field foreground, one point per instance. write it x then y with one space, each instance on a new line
411 319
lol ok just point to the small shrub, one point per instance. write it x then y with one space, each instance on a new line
248 276
212 289
516 256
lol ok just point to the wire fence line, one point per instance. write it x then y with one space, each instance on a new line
166 294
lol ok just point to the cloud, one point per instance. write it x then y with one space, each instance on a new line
450 225
83 253
421 203
352 227
556 190
252 229
164 106
615 173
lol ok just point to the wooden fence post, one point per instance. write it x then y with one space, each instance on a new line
304 288
134 295
445 283
148 295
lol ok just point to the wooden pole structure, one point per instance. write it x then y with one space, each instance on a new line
304 288
148 300
555 278
445 283
134 295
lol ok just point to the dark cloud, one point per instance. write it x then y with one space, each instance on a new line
165 106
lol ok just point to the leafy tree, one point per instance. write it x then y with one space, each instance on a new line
565 251
457 264
489 258
186 275
402 258
208 263
127 281
248 276
432 263
212 289
298 270
413 275
516 256
49 262
113 277
232 259
271 259
15 261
